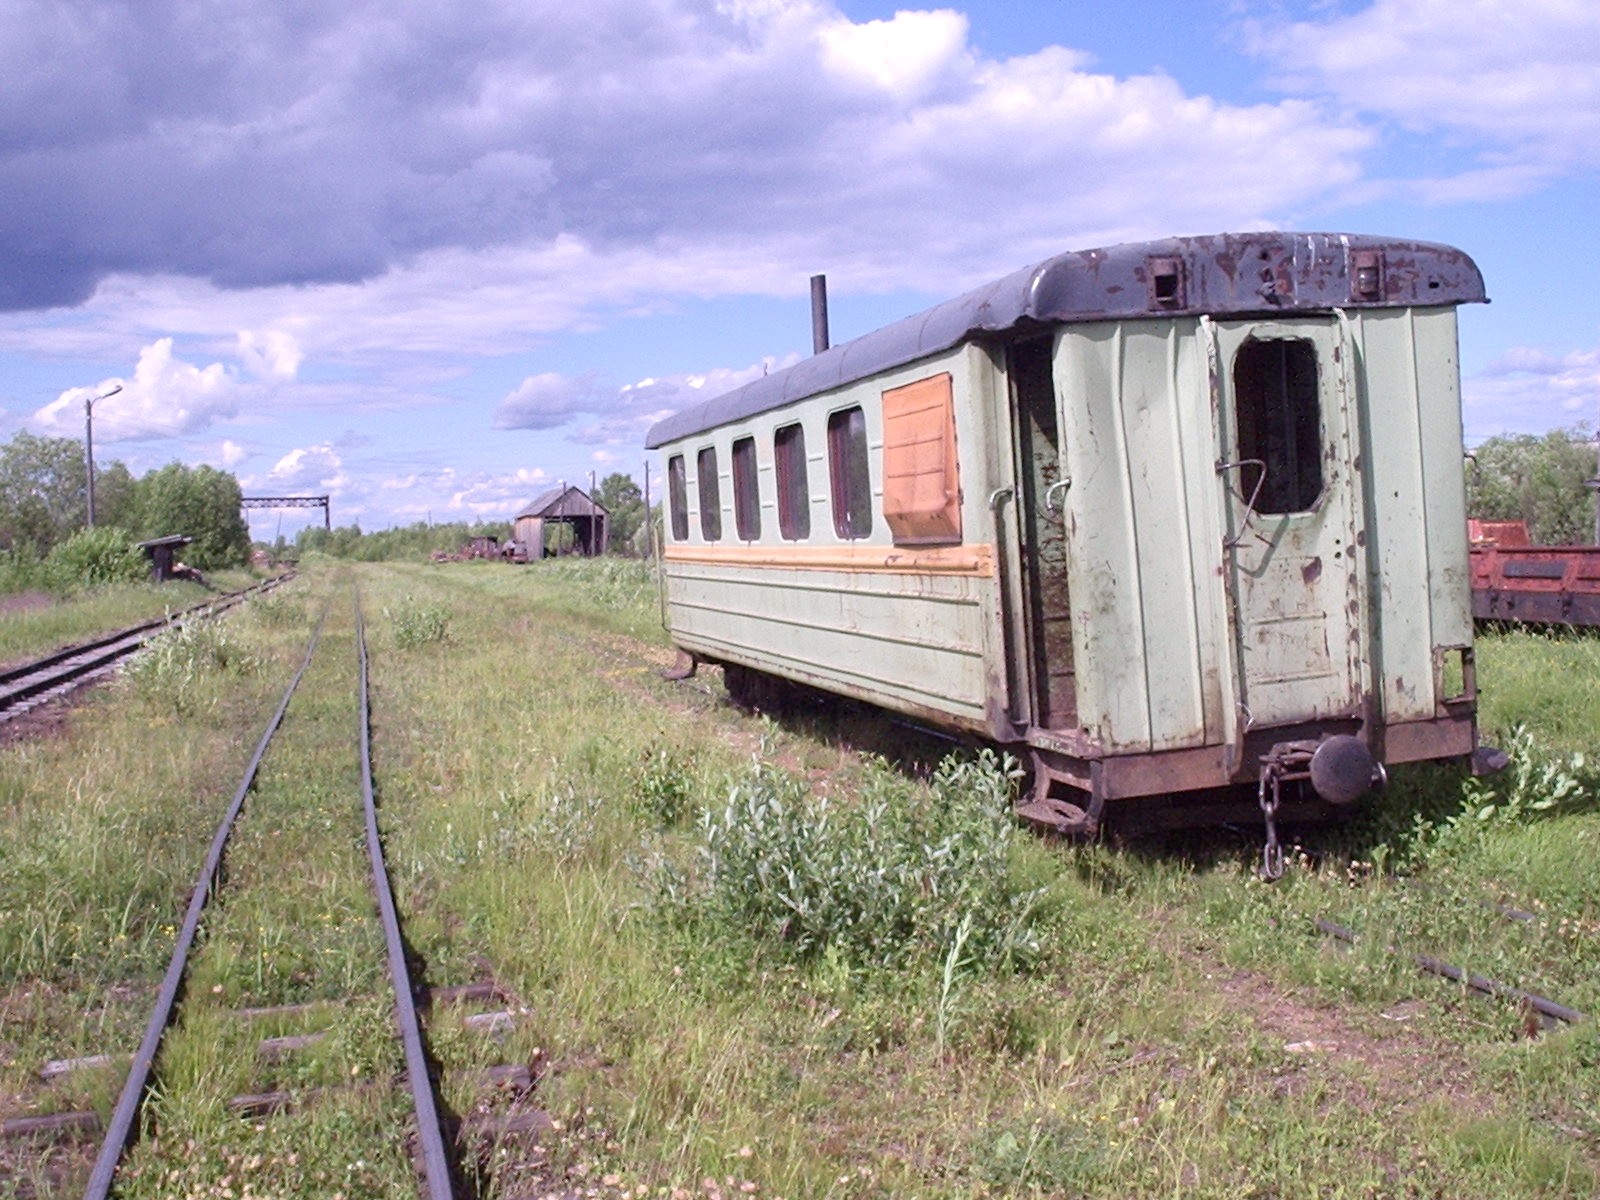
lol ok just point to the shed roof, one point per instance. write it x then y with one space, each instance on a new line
565 501
1221 274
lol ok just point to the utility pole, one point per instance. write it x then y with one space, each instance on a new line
88 443
649 527
1594 486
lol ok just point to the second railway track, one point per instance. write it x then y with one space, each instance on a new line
52 675
290 1005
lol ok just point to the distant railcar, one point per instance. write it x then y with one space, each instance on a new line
1515 581
1163 518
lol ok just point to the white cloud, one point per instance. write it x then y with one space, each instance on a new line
310 468
166 397
231 454
447 494
543 401
1528 390
1519 75
903 56
270 353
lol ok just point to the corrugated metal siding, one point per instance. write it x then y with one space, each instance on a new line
1416 502
919 638
1149 634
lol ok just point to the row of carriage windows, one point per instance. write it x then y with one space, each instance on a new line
1275 404
920 488
849 479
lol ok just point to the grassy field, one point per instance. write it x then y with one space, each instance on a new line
807 958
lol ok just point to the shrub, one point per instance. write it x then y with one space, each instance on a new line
900 876
662 786
1536 784
417 624
92 557
172 667
21 570
276 610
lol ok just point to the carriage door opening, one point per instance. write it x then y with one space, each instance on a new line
1041 503
1293 555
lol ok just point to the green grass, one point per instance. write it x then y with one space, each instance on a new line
748 958
37 623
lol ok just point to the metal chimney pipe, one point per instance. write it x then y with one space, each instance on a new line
819 313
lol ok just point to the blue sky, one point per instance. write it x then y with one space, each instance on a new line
431 259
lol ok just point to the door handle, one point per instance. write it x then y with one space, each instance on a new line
1255 494
1050 495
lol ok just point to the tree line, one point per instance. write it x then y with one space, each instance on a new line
44 503
1544 480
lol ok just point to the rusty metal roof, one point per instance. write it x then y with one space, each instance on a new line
1227 274
568 501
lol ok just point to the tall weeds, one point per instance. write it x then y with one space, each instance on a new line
892 880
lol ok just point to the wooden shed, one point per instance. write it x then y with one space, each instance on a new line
589 519
163 555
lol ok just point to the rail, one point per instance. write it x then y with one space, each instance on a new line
438 1168
1548 1009
71 667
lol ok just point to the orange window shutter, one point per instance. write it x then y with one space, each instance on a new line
921 481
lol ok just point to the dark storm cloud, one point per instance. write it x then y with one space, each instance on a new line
279 142
274 142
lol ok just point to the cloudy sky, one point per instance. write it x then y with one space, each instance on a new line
432 258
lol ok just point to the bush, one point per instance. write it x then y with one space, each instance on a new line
21 570
1536 784
172 667
899 877
417 624
662 786
92 557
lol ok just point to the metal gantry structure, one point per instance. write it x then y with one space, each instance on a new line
321 502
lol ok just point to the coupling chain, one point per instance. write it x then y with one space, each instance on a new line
1272 852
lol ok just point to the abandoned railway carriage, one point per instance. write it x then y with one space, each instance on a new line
1163 517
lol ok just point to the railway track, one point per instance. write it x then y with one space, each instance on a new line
1539 1011
444 1150
65 670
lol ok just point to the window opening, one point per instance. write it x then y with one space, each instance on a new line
849 476
678 498
746 490
794 492
710 500
921 484
1275 398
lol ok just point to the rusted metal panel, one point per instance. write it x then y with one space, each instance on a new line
1486 533
1442 737
1554 585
